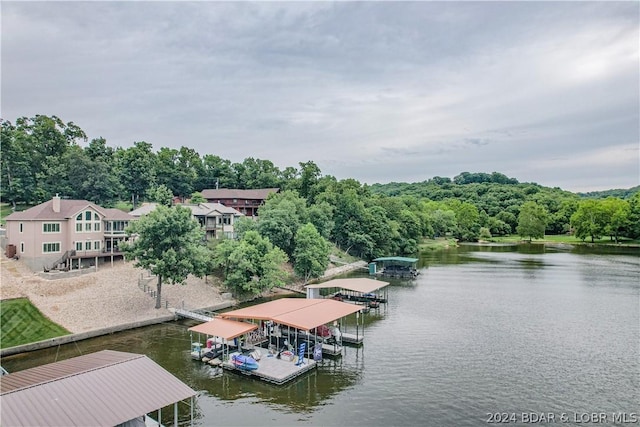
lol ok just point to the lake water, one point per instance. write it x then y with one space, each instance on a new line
482 330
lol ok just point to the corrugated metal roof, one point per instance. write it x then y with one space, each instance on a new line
224 328
100 389
299 313
360 284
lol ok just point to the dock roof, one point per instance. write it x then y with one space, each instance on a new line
106 388
397 259
224 328
361 284
300 313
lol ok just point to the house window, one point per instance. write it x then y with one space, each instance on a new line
21 227
87 246
78 246
21 247
51 247
88 221
96 245
51 227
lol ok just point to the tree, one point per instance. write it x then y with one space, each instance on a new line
169 243
617 212
251 264
532 221
161 194
136 169
309 175
589 220
311 255
197 198
280 217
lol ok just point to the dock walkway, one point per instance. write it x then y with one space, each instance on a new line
274 370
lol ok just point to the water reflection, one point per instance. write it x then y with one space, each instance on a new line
481 329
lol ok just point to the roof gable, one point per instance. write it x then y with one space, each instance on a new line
44 211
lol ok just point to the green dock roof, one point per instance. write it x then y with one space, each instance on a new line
397 259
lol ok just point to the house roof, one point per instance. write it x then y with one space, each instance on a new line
202 209
144 209
116 215
232 193
44 211
224 328
106 388
301 313
362 285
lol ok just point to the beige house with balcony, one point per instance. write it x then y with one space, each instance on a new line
66 234
216 219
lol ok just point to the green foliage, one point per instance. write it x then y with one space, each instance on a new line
161 194
485 233
311 254
22 323
244 224
617 212
169 243
197 198
532 221
135 168
589 220
280 217
251 264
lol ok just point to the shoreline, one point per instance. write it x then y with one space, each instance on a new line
110 299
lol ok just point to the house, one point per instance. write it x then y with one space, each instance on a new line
216 219
244 201
65 233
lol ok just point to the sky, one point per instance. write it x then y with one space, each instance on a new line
544 92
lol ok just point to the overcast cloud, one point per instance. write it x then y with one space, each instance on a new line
377 91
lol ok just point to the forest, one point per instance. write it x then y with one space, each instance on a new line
43 156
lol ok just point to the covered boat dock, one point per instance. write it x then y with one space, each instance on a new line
302 320
368 292
395 266
106 388
291 328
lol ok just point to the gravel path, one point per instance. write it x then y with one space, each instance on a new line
108 297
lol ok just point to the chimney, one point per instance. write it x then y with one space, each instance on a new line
56 203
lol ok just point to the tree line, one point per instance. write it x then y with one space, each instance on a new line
43 155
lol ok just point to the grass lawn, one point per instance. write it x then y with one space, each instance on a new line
22 323
438 243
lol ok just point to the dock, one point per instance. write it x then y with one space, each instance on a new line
274 370
192 315
352 339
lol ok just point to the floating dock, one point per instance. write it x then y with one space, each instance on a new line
274 370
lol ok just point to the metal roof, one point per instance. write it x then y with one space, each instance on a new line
99 389
301 313
397 259
361 284
224 328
